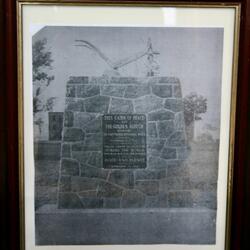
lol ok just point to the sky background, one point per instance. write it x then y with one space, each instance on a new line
194 55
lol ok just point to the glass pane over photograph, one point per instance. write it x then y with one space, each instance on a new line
126 134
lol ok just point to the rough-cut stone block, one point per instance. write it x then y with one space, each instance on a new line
180 170
177 139
123 178
69 167
132 199
147 104
157 163
69 200
155 146
121 106
92 202
78 80
177 91
165 128
92 172
68 119
148 187
78 146
94 126
112 203
79 184
163 91
74 105
175 183
176 105
113 90
93 142
109 190
45 150
65 184
81 119
169 153
164 80
135 91
179 122
99 80
87 194
70 91
84 91
95 159
180 199
88 144
123 80
82 157
160 201
150 174
97 104
66 151
73 134
161 115
152 131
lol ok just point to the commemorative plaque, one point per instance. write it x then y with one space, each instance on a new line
124 141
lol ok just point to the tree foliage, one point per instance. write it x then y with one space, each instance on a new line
194 105
41 61
42 64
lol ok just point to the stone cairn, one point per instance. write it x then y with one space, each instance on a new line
83 180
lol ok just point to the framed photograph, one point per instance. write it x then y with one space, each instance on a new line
126 124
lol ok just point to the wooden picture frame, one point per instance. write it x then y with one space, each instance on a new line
233 142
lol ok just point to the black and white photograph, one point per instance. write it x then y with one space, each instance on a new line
126 125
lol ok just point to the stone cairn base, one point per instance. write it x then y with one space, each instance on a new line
84 181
